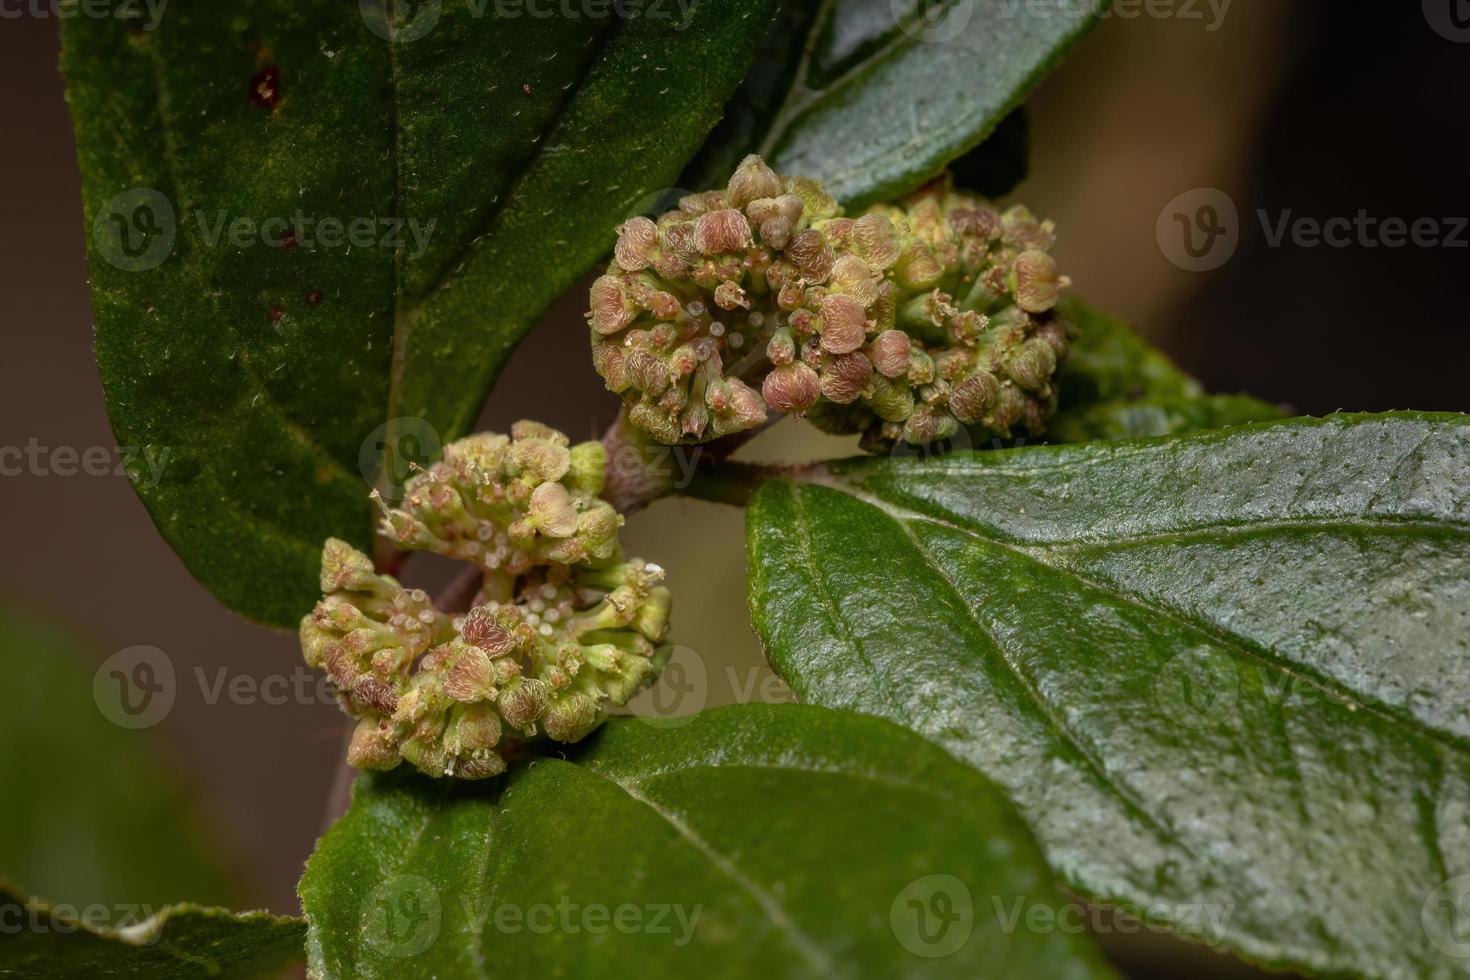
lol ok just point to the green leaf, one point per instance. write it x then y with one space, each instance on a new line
508 147
874 97
753 841
1223 675
1115 385
55 942
90 814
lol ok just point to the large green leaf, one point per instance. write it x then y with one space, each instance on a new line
509 145
1222 675
1115 385
90 814
873 97
41 941
753 841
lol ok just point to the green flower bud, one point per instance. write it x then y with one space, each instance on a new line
572 717
562 625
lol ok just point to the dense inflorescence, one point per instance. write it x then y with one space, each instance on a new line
562 625
905 323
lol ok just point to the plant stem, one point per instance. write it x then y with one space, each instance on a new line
641 470
735 483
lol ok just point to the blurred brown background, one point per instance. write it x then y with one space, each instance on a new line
1321 108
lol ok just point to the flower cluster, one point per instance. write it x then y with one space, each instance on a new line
904 323
562 624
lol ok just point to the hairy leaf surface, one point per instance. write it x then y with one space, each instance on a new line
313 248
753 841
1225 676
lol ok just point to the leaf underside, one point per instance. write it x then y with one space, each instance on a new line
874 97
486 163
770 840
1223 673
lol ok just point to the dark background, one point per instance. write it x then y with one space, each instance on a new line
1320 107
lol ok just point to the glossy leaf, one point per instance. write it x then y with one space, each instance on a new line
313 248
91 814
1225 676
752 841
874 97
41 941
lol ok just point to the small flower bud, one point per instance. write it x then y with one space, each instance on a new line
522 701
845 377
851 275
551 508
636 238
751 180
812 256
876 240
928 425
844 324
571 717
725 230
972 398
1032 366
781 348
610 311
889 353
587 467
792 388
1035 282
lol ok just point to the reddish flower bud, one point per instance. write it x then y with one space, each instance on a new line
971 398
791 388
889 353
725 230
845 377
752 179
636 238
844 324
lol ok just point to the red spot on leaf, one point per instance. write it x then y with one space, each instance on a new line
526 89
314 297
288 239
265 87
276 314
